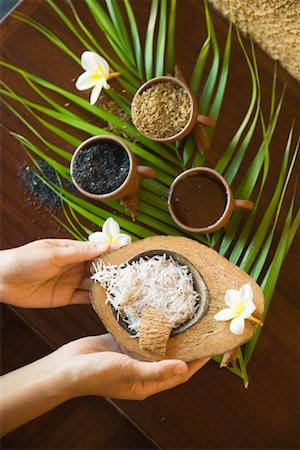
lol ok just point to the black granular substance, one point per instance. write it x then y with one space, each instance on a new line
101 168
35 186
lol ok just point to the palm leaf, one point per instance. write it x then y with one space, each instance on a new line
149 40
218 98
200 64
120 28
272 210
208 89
111 33
269 282
247 185
229 152
58 167
135 38
66 116
47 33
170 52
161 39
130 83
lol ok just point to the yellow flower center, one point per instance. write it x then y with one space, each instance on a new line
101 72
239 308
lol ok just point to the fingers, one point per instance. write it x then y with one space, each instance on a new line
80 297
63 242
108 343
162 370
196 365
85 284
157 371
100 343
164 378
76 253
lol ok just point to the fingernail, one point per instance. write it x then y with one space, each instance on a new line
115 246
102 246
180 369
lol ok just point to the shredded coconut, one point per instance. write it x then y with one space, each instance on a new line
158 281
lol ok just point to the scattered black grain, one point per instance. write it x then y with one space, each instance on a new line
42 193
101 168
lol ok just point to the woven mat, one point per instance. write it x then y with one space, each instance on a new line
273 24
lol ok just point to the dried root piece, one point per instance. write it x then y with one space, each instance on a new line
130 203
229 358
201 138
179 75
154 331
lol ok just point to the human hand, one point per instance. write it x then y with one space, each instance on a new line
48 273
88 366
96 366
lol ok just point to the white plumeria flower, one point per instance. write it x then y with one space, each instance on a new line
241 307
95 76
110 234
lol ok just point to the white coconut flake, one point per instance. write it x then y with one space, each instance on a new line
158 281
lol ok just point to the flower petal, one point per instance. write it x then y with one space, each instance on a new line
122 239
105 83
237 325
89 61
232 298
98 236
93 62
111 228
102 63
85 81
249 309
246 293
96 92
225 314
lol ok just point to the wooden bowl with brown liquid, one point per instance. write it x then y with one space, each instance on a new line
201 201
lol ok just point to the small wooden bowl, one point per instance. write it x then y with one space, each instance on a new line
128 191
194 119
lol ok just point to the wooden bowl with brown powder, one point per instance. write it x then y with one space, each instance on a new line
164 109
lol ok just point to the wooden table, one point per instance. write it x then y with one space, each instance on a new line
213 410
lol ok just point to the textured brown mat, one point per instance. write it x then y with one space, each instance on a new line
273 24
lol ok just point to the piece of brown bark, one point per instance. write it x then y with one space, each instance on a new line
154 331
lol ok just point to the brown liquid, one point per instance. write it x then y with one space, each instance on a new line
199 200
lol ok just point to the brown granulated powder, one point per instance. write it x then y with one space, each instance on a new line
113 108
162 110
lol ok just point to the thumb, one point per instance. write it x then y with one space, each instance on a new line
79 253
158 371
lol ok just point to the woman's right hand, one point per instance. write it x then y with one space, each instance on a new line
88 366
95 366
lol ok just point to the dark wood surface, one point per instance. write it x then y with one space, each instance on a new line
73 425
213 410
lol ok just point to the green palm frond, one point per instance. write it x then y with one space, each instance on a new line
208 90
161 39
117 23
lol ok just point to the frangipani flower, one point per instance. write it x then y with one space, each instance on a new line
95 76
110 234
241 307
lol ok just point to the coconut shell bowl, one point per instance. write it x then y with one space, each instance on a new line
201 335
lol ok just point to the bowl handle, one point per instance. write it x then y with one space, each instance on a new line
243 204
146 172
